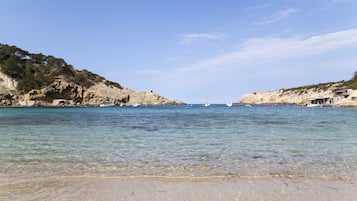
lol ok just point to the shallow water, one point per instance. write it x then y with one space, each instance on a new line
179 141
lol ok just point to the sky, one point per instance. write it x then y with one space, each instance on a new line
192 50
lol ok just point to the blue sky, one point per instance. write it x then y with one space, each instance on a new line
192 50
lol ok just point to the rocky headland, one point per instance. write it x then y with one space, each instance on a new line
28 79
343 93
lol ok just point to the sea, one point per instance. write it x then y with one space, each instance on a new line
179 141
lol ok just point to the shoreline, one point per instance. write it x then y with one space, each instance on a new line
185 104
158 188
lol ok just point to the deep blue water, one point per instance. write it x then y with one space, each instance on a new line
179 140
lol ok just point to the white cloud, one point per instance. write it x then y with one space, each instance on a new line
342 1
260 6
255 50
278 16
187 39
271 62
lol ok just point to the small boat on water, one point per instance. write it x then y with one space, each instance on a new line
107 105
313 105
136 105
229 104
207 104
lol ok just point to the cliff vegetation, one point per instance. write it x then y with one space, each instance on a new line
35 71
350 84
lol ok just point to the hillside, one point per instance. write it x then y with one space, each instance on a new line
343 93
28 79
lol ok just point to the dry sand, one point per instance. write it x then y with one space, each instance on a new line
180 189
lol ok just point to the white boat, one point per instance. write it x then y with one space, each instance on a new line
136 105
248 105
313 105
229 104
107 105
207 104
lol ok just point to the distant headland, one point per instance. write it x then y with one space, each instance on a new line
28 79
343 94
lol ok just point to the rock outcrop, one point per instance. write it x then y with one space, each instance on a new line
333 94
64 93
7 84
28 79
8 92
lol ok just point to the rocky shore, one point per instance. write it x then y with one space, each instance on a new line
64 93
330 94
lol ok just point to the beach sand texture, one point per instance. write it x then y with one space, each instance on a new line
178 189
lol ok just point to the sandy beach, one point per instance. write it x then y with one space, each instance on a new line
178 189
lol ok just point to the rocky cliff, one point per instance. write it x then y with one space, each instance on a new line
37 80
328 94
63 93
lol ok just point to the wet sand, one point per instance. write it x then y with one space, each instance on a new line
178 189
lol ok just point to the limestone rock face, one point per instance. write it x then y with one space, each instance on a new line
7 84
61 92
8 92
102 93
304 96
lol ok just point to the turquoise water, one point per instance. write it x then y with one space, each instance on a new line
179 141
